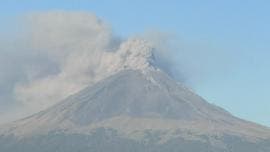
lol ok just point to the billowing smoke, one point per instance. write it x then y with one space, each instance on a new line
60 53
80 50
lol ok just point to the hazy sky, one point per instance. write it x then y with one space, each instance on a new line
232 38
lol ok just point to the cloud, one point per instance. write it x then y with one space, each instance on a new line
59 53
81 50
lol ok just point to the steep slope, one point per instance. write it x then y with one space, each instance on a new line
134 110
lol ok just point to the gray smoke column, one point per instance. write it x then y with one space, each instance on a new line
57 53
81 49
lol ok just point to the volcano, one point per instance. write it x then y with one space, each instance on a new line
139 109
134 110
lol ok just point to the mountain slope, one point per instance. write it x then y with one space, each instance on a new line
134 110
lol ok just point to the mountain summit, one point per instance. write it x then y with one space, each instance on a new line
136 108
